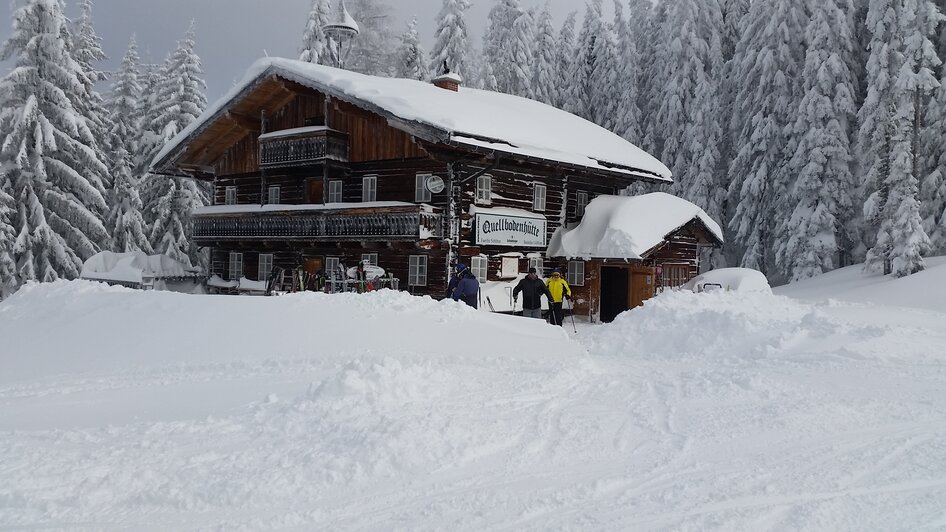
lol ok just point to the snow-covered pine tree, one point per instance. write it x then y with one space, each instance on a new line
452 44
170 201
8 278
933 186
411 60
521 55
125 221
591 56
544 60
627 114
487 78
564 59
47 148
655 54
733 11
314 42
87 51
373 50
811 238
770 58
901 240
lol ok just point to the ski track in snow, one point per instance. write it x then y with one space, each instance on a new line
712 411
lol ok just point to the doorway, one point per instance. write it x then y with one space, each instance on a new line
316 187
615 287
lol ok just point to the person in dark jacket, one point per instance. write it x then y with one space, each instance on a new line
532 289
454 280
468 288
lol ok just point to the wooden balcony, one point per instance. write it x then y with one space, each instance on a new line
302 147
316 223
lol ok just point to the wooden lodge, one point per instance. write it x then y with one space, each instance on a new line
317 167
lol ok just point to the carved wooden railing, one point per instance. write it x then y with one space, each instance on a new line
321 225
301 149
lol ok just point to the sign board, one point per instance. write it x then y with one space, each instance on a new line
513 231
435 184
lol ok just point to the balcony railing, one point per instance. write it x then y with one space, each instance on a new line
319 226
302 148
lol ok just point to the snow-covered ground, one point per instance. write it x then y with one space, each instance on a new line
727 411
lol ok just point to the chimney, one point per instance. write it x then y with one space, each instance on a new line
450 81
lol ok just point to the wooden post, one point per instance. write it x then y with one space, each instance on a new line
263 177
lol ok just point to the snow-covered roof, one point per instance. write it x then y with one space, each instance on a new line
618 227
469 118
134 267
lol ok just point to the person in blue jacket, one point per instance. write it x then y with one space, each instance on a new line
467 288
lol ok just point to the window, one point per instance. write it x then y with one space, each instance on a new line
421 194
581 203
417 271
236 266
335 191
369 188
538 264
538 197
273 198
576 273
265 266
370 259
480 268
332 265
231 198
484 189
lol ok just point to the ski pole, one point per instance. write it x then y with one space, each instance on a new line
571 310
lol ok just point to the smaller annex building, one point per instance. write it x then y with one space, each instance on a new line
629 248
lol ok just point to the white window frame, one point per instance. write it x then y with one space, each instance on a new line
369 258
273 195
581 201
484 189
369 188
335 191
417 270
539 195
230 196
236 266
538 263
479 266
576 273
265 266
331 266
421 192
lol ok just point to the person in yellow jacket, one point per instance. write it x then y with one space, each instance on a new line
560 291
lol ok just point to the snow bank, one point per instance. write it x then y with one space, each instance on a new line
469 117
924 290
618 227
725 410
730 279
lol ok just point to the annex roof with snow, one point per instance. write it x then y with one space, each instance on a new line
631 228
473 120
135 269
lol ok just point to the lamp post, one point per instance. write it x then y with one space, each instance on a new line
341 33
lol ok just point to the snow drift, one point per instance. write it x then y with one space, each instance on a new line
735 411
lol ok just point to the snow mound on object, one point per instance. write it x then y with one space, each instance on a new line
619 227
730 279
133 267
716 324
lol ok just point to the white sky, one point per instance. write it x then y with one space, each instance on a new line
234 33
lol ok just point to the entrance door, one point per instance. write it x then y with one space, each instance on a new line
316 187
614 292
643 284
